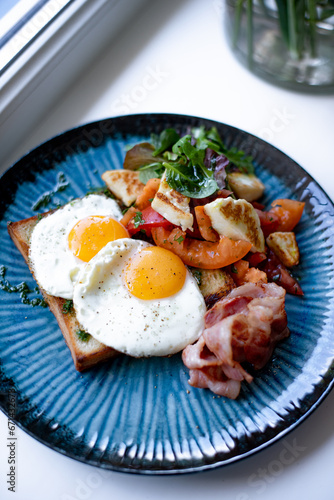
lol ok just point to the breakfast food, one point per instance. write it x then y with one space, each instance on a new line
56 240
85 350
243 327
114 303
184 258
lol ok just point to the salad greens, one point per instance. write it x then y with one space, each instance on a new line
212 140
195 164
188 174
165 140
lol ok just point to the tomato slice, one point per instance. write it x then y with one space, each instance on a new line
205 225
256 258
277 272
129 214
202 254
242 273
289 213
144 199
239 270
269 221
145 220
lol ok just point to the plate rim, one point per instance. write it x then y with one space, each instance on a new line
326 386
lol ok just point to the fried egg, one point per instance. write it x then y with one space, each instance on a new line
139 299
62 242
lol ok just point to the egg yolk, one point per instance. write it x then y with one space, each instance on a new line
155 273
92 233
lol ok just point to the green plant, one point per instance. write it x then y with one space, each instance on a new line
298 20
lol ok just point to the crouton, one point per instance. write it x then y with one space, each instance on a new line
85 350
246 186
285 247
213 284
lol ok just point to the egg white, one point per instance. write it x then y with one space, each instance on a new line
139 328
55 266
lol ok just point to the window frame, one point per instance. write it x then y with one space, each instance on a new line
23 24
33 83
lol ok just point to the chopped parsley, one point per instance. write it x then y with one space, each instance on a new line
138 219
68 307
101 190
83 335
22 288
179 239
46 198
197 275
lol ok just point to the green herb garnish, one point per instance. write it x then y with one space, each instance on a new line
179 239
83 335
101 190
138 219
197 275
68 307
46 198
22 288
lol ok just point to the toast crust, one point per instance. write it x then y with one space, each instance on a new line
85 354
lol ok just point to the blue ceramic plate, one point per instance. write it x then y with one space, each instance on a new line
139 415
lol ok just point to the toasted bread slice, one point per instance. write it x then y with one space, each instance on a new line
214 284
85 353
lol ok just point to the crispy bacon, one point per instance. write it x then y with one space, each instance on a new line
243 327
204 379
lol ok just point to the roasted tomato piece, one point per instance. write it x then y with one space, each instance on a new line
145 220
288 212
146 196
257 205
200 253
222 193
256 258
278 273
269 221
205 225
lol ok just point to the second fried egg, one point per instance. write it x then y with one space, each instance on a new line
139 299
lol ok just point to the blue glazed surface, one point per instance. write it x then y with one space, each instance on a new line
141 415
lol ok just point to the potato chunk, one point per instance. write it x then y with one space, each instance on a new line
246 186
285 246
213 284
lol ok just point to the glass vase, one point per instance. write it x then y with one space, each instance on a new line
288 42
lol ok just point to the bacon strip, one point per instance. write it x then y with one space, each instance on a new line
243 327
